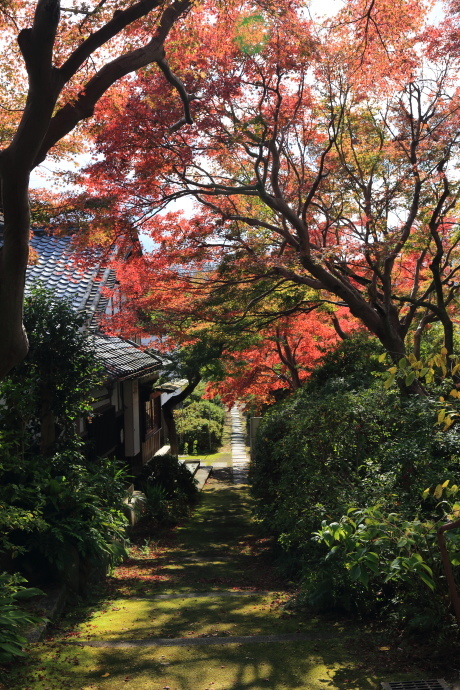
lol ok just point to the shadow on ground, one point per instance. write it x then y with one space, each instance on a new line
219 550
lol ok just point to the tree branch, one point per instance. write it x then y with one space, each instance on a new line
72 113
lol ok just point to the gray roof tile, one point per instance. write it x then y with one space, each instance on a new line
57 269
124 359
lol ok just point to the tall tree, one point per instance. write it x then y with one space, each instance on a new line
281 357
325 158
71 56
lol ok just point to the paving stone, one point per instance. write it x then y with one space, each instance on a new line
239 456
200 641
198 595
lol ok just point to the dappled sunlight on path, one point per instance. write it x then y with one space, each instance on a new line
200 607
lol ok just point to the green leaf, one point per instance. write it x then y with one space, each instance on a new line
364 577
427 580
389 382
12 649
355 572
27 593
410 378
438 491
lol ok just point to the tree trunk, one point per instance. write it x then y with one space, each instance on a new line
338 328
168 415
168 412
41 128
13 263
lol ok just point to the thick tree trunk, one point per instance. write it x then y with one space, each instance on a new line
168 415
393 341
168 412
40 129
13 263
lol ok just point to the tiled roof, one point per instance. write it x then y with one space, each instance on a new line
123 359
57 269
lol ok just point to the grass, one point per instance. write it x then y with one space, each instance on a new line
210 458
195 617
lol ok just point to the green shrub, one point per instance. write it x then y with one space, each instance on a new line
59 374
398 558
55 502
156 504
200 426
169 487
345 442
60 505
13 618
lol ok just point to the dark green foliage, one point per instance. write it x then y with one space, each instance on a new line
13 618
344 442
56 505
375 550
55 379
61 507
169 487
351 365
200 426
156 501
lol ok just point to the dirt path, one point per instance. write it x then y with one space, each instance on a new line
201 609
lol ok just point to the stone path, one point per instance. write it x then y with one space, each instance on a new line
240 460
201 608
203 641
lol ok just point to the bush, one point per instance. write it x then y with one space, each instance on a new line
13 618
169 487
55 503
59 506
58 374
200 426
396 557
345 442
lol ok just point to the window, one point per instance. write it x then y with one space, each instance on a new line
152 414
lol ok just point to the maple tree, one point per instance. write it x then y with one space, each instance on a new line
281 357
196 359
324 157
58 61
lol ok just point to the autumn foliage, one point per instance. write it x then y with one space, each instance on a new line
320 174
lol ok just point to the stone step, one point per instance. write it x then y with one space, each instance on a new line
202 475
200 641
164 450
192 465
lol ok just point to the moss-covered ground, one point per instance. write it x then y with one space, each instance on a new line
199 587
